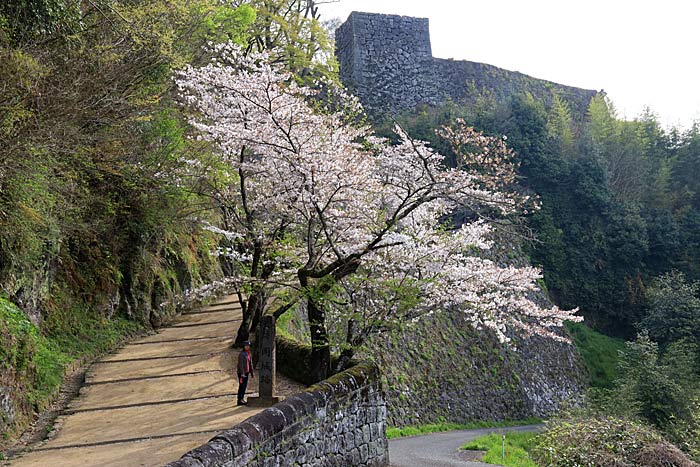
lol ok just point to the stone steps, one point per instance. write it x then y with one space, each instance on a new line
152 390
214 317
139 453
156 350
191 332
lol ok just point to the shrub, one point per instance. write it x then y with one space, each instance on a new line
662 455
605 442
647 386
673 309
660 389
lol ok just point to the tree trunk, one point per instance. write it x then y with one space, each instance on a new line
226 266
244 328
257 312
349 352
320 348
344 360
252 314
247 309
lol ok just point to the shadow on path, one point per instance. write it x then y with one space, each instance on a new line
155 399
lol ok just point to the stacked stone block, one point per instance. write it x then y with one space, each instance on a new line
338 422
386 60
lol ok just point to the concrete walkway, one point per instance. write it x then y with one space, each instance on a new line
155 399
440 449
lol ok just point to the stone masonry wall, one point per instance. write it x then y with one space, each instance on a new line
338 422
386 60
443 369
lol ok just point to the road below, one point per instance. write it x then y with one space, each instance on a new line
440 449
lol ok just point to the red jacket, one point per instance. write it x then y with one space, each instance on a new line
245 363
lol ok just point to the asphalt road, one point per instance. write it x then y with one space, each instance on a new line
439 449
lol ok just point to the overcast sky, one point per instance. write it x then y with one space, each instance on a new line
642 53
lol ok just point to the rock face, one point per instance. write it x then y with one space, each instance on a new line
7 409
387 61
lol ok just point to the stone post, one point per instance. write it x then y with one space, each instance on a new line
267 366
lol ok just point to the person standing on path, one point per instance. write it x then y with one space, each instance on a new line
245 369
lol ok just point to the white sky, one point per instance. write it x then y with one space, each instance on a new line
642 53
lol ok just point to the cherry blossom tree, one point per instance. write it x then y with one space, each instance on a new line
330 216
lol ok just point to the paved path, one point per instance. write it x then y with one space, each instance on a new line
439 449
155 399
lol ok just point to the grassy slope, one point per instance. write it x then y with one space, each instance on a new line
599 353
35 363
517 447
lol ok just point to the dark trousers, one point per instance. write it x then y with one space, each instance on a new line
243 384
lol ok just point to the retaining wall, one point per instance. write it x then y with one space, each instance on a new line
338 422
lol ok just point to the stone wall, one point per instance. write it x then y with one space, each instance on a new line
293 360
386 60
443 369
338 422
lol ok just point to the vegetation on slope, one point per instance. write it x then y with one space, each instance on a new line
33 365
600 353
619 201
99 229
96 233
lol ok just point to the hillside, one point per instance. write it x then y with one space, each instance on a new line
96 236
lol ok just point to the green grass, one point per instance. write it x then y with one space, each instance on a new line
292 326
393 432
599 352
517 448
282 325
39 361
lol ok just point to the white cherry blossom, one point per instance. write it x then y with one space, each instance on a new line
351 221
